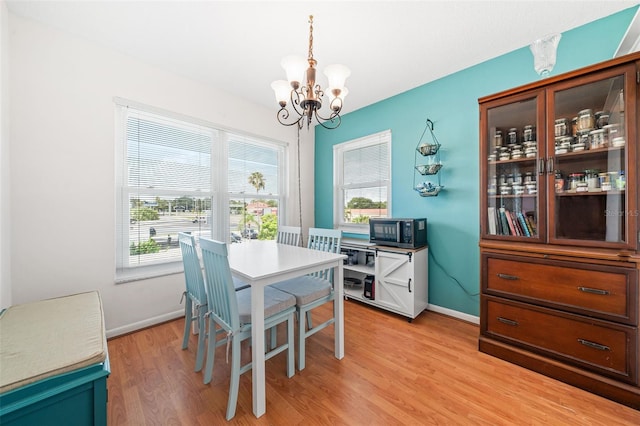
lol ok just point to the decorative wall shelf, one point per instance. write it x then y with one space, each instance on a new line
427 163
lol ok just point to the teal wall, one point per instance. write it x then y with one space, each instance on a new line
452 104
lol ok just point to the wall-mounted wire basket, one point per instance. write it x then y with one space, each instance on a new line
427 163
428 169
427 189
428 148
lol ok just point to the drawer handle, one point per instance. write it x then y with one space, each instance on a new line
508 321
508 277
594 291
594 345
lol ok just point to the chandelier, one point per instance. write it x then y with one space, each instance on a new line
306 99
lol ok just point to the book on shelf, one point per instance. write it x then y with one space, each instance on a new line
516 224
507 215
531 221
523 224
503 221
493 220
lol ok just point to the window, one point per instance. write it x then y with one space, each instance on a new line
179 175
362 189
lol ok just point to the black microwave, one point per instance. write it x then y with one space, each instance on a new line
404 233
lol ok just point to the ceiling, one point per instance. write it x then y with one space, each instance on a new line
390 46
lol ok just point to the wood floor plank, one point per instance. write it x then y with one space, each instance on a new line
428 372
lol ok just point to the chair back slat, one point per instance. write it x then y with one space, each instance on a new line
328 240
289 235
192 268
223 304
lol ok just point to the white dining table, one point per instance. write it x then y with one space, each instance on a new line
262 263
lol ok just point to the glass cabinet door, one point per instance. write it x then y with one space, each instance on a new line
513 182
588 171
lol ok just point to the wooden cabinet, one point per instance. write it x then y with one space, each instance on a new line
389 278
559 220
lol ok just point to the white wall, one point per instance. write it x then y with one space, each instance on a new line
62 166
5 229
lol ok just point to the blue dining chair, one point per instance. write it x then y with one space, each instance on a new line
195 295
289 235
231 311
313 290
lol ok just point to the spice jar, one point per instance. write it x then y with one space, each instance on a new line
602 119
561 127
559 183
497 138
597 138
605 182
586 120
528 177
575 179
529 133
620 181
593 182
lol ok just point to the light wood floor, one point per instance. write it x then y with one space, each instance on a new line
394 373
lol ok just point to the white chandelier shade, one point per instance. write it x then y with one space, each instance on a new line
303 93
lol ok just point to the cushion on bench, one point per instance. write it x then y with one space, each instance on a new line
50 337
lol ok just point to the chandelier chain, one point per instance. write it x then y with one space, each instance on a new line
310 37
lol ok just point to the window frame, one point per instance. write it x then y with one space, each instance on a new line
339 187
218 192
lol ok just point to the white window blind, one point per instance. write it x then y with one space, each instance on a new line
362 180
177 174
166 187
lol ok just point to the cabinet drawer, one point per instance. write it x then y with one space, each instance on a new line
607 348
601 291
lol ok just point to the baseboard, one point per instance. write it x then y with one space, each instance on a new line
129 328
456 314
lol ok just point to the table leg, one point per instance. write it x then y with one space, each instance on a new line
257 350
338 311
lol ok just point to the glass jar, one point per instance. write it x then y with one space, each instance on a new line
620 181
559 183
605 182
561 127
597 139
512 136
593 183
586 120
517 178
575 179
497 138
602 119
529 177
529 133
574 126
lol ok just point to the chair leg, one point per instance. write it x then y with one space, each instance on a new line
235 378
301 343
211 352
188 306
274 337
291 366
202 335
309 320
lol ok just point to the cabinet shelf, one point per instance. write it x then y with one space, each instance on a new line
587 193
590 152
